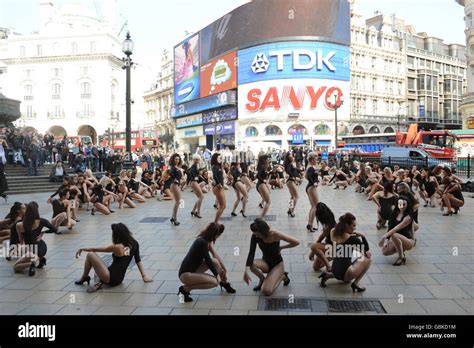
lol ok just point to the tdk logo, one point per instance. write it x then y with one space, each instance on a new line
260 63
302 59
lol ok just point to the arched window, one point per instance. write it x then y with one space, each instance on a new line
342 130
85 90
272 130
251 132
358 130
389 130
322 129
374 130
298 128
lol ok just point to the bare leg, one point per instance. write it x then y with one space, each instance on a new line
197 281
237 200
313 199
175 189
94 261
273 279
265 193
357 270
221 204
243 191
294 195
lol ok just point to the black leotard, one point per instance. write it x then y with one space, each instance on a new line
119 265
386 206
236 175
218 175
324 172
458 194
167 183
58 207
194 172
312 176
197 254
429 186
292 172
406 231
270 251
262 176
175 174
342 263
30 236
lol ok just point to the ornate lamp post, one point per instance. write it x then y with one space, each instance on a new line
127 48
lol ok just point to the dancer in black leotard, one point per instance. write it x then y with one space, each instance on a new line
428 186
239 188
17 211
30 236
404 189
452 197
176 175
293 176
345 242
312 190
218 185
340 179
400 236
123 249
321 249
262 186
194 180
271 263
385 202
197 261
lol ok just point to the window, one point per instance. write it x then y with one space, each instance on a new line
22 51
399 68
84 71
374 85
375 108
56 91
85 90
56 72
92 47
28 73
400 88
411 62
57 111
421 82
28 89
39 50
74 48
86 110
29 111
374 61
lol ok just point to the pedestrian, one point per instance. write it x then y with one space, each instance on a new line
3 179
33 157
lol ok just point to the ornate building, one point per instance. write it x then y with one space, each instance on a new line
159 99
68 74
467 104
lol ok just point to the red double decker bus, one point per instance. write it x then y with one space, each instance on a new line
141 139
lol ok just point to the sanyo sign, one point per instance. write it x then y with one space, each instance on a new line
290 60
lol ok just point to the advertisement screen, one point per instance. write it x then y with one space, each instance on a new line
219 75
222 128
189 121
186 70
224 114
311 99
212 102
292 60
263 21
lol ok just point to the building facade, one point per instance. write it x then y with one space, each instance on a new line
68 74
467 104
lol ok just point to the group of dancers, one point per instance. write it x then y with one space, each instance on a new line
393 192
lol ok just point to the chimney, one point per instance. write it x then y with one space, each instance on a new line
46 12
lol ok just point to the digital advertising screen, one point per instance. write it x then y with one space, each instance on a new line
186 70
219 75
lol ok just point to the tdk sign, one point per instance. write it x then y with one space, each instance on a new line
292 60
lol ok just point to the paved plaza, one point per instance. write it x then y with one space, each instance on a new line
437 279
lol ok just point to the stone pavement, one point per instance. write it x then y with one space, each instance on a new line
434 281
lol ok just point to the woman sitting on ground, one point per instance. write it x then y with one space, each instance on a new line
30 233
197 261
400 235
347 242
101 201
325 216
122 193
124 249
271 263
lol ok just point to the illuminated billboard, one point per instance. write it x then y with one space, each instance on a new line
219 75
186 70
264 21
212 102
292 60
310 99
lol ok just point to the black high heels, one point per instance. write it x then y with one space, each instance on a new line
258 287
93 211
174 222
215 206
290 213
400 261
83 280
260 205
32 270
42 263
233 214
185 294
357 288
286 282
449 213
227 287
324 278
243 214
311 228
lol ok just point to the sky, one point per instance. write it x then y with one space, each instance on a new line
158 24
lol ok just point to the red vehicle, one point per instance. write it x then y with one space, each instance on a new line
439 143
141 139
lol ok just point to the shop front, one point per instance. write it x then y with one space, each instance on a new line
190 138
219 135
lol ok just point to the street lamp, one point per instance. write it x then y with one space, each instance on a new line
127 48
336 106
215 119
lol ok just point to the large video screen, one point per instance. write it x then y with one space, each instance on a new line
219 75
263 21
186 70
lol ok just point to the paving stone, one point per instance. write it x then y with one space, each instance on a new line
144 300
447 291
41 309
151 311
114 310
441 307
77 309
408 306
12 308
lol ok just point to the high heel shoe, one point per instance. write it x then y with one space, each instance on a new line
83 280
449 213
324 278
260 205
287 280
186 294
400 261
215 206
456 211
357 288
197 215
258 287
42 263
233 214
290 213
310 228
243 214
174 222
32 270
192 213
93 211
227 287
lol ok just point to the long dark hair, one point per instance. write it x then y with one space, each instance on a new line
287 161
214 159
14 211
172 160
408 210
122 235
387 188
31 215
260 226
212 232
345 220
324 215
262 160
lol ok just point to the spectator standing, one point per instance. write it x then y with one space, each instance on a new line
33 157
3 160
